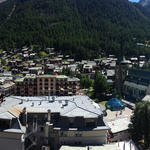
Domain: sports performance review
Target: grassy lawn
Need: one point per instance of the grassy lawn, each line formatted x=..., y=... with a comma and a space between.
x=1, y=50
x=91, y=89
x=43, y=54
x=103, y=102
x=7, y=67
x=103, y=58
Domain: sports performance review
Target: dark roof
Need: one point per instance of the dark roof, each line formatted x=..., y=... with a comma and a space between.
x=114, y=102
x=140, y=73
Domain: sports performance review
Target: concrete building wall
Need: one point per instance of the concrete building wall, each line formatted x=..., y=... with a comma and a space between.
x=121, y=136
x=83, y=137
x=131, y=89
x=11, y=141
x=47, y=85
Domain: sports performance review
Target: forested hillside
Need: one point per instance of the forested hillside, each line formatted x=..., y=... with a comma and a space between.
x=82, y=28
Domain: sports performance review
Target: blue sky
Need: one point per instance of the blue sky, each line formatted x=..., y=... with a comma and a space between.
x=134, y=0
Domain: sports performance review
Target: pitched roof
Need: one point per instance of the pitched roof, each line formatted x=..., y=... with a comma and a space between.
x=71, y=106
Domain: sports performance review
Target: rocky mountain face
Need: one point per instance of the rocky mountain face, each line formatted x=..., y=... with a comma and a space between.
x=145, y=3
x=2, y=1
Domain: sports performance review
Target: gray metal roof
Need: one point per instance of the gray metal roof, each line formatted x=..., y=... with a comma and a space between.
x=6, y=115
x=71, y=106
x=73, y=79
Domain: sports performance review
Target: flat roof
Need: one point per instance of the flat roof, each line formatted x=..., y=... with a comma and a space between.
x=35, y=68
x=31, y=76
x=120, y=124
x=46, y=76
x=61, y=76
x=118, y=121
x=102, y=147
x=73, y=79
x=146, y=98
x=19, y=131
x=19, y=79
x=127, y=145
x=7, y=85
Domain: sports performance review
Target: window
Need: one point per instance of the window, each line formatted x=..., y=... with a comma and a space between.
x=4, y=124
x=41, y=129
x=78, y=134
x=46, y=80
x=90, y=124
x=70, y=124
x=63, y=134
x=78, y=143
x=46, y=83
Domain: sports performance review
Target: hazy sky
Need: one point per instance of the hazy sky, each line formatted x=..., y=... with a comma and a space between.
x=134, y=0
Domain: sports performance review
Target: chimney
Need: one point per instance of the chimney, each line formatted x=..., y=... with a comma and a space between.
x=66, y=102
x=32, y=104
x=40, y=103
x=49, y=115
x=21, y=101
x=62, y=106
x=53, y=99
x=1, y=98
x=23, y=117
x=49, y=95
x=49, y=100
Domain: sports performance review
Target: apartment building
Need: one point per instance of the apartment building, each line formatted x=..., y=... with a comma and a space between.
x=73, y=86
x=26, y=86
x=52, y=121
x=46, y=85
x=60, y=85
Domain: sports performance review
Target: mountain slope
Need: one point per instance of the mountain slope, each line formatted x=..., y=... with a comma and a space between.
x=144, y=7
x=145, y=3
x=2, y=1
x=78, y=27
